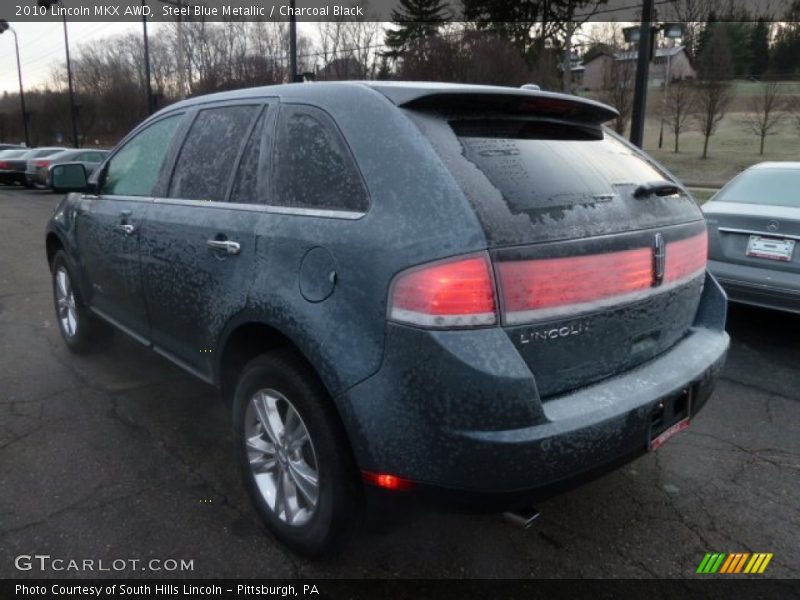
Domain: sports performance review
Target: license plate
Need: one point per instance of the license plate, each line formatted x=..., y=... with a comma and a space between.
x=771, y=248
x=668, y=433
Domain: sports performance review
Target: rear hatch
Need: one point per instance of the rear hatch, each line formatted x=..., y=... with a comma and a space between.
x=755, y=220
x=598, y=254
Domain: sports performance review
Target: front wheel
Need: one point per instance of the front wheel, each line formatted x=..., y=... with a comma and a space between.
x=78, y=327
x=294, y=455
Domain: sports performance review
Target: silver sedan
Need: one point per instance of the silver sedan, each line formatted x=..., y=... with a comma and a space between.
x=754, y=231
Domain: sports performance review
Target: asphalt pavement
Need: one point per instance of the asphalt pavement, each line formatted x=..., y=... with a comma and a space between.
x=120, y=455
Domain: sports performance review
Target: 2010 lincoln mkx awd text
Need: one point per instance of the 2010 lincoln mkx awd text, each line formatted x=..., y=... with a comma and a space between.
x=477, y=293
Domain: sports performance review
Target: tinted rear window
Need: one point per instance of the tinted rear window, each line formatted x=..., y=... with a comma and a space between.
x=314, y=167
x=778, y=187
x=540, y=165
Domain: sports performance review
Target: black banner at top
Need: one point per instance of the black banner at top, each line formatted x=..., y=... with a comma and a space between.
x=371, y=10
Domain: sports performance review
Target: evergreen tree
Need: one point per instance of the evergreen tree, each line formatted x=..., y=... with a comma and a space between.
x=416, y=20
x=785, y=60
x=759, y=49
x=705, y=33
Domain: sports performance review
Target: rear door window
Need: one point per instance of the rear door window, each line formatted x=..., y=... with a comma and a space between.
x=206, y=160
x=314, y=168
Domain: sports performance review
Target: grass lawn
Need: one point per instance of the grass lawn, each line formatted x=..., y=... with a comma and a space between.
x=732, y=149
x=702, y=195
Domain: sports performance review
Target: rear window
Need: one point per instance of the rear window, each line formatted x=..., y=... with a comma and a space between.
x=48, y=152
x=778, y=187
x=540, y=165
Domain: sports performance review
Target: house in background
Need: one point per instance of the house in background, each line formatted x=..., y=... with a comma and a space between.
x=598, y=66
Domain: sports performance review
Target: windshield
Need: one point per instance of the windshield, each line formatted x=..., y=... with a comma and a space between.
x=778, y=187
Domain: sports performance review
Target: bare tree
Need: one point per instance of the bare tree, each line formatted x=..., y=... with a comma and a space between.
x=469, y=57
x=618, y=90
x=766, y=112
x=681, y=105
x=692, y=13
x=714, y=90
x=347, y=49
x=570, y=25
x=793, y=104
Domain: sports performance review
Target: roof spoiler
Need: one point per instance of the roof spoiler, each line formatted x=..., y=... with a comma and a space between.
x=503, y=100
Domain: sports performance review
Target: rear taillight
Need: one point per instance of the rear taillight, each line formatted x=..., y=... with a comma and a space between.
x=42, y=163
x=530, y=285
x=460, y=292
x=451, y=293
x=533, y=289
x=3, y=164
x=686, y=257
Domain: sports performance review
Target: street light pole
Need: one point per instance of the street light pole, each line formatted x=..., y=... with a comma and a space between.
x=147, y=63
x=3, y=26
x=73, y=111
x=664, y=103
x=72, y=108
x=292, y=44
x=642, y=67
x=21, y=90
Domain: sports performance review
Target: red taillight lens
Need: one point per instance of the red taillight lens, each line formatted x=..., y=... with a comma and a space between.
x=546, y=283
x=686, y=257
x=386, y=481
x=532, y=288
x=42, y=163
x=3, y=164
x=454, y=293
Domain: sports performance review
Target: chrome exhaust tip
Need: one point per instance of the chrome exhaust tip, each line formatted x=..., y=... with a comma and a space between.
x=522, y=518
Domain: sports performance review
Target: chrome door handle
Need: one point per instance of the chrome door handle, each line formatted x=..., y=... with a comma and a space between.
x=228, y=246
x=125, y=228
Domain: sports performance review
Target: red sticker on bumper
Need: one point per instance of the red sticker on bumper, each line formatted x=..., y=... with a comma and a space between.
x=665, y=435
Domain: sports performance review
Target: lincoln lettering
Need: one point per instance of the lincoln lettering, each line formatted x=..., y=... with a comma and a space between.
x=553, y=333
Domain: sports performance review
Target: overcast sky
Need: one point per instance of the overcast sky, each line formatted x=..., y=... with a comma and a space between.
x=41, y=47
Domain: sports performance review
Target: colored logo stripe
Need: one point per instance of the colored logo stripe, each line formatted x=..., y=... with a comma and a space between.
x=711, y=563
x=733, y=563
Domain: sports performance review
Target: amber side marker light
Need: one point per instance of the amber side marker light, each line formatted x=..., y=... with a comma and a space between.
x=387, y=481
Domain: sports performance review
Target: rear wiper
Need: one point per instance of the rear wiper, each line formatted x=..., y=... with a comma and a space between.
x=658, y=188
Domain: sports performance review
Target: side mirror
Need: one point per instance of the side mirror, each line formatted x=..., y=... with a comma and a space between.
x=69, y=177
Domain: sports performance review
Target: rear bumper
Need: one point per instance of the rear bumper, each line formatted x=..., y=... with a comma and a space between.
x=757, y=286
x=455, y=413
x=8, y=177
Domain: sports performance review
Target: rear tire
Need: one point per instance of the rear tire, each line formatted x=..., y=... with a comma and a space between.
x=293, y=452
x=77, y=326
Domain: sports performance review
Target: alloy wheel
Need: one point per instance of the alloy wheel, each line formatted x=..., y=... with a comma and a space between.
x=65, y=302
x=282, y=458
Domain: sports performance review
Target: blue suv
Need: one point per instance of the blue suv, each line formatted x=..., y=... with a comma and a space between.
x=406, y=289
